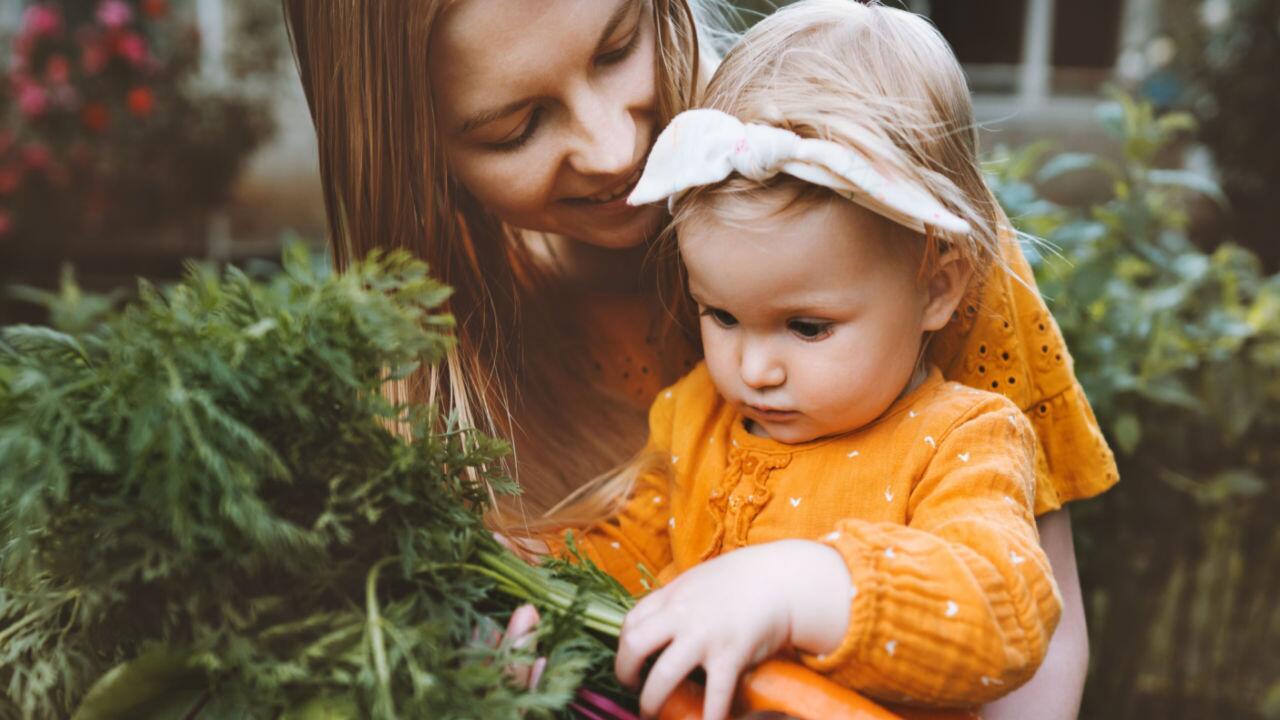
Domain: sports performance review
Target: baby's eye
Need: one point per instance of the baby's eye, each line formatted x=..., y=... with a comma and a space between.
x=721, y=318
x=809, y=329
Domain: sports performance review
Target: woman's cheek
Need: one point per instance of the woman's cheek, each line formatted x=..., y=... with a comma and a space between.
x=514, y=188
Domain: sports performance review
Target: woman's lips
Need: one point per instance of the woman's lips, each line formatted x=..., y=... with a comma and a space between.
x=612, y=199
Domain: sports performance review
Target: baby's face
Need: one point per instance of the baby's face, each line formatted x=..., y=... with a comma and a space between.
x=812, y=319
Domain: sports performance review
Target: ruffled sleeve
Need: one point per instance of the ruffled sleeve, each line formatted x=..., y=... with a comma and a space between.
x=957, y=607
x=1003, y=339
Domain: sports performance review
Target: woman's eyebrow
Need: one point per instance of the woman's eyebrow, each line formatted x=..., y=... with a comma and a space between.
x=487, y=116
x=619, y=14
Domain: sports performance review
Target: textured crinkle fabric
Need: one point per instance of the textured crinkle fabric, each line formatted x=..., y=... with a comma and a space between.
x=931, y=507
x=1003, y=339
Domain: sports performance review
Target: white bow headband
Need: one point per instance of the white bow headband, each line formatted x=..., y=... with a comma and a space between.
x=703, y=147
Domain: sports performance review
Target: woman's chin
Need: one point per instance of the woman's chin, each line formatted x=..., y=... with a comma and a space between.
x=620, y=231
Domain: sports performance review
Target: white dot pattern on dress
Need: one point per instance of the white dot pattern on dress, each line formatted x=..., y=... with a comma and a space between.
x=928, y=440
x=952, y=608
x=891, y=647
x=795, y=502
x=854, y=454
x=964, y=457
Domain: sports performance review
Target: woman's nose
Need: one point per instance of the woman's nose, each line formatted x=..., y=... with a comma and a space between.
x=760, y=368
x=604, y=135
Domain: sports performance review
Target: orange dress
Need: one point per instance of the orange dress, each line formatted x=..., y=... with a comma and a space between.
x=930, y=506
x=1003, y=339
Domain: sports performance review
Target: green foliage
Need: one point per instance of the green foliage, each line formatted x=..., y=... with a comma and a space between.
x=202, y=500
x=1179, y=352
x=1224, y=73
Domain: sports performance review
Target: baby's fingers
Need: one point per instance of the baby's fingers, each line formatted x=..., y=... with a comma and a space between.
x=636, y=643
x=722, y=680
x=673, y=666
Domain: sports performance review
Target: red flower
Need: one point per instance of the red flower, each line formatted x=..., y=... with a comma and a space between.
x=155, y=9
x=141, y=102
x=58, y=70
x=36, y=156
x=9, y=179
x=93, y=59
x=95, y=117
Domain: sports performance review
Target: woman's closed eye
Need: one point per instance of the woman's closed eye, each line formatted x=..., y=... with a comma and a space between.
x=613, y=57
x=522, y=134
x=810, y=330
x=720, y=317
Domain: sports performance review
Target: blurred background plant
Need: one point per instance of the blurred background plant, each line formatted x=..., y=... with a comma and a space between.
x=1178, y=349
x=1223, y=71
x=109, y=127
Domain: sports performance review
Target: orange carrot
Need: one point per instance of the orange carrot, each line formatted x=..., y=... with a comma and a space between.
x=795, y=690
x=684, y=703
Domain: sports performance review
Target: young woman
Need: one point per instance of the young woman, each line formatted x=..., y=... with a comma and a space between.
x=498, y=141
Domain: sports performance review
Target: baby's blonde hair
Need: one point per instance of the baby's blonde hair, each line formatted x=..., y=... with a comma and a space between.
x=873, y=78
x=866, y=76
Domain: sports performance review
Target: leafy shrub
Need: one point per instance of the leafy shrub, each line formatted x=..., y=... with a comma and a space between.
x=1179, y=352
x=204, y=502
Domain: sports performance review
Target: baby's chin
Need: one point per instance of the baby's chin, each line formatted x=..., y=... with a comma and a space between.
x=787, y=433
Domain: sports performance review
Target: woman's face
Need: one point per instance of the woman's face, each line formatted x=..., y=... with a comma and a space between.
x=547, y=109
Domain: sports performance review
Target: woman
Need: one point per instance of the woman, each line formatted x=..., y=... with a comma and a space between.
x=498, y=141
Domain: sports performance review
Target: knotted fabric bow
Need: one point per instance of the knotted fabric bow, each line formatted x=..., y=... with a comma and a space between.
x=703, y=147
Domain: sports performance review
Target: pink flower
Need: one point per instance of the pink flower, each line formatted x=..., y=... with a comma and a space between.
x=41, y=20
x=114, y=13
x=33, y=100
x=133, y=48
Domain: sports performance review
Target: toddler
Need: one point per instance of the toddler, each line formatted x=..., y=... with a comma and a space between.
x=813, y=486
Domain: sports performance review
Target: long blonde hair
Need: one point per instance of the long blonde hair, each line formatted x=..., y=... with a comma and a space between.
x=386, y=185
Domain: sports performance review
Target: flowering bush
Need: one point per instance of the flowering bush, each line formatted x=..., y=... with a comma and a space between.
x=105, y=127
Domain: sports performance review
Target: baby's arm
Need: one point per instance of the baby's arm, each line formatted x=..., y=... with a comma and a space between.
x=957, y=607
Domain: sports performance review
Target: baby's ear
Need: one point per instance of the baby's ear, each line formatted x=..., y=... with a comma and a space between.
x=946, y=285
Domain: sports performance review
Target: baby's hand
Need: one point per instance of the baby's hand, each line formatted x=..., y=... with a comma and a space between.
x=731, y=612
